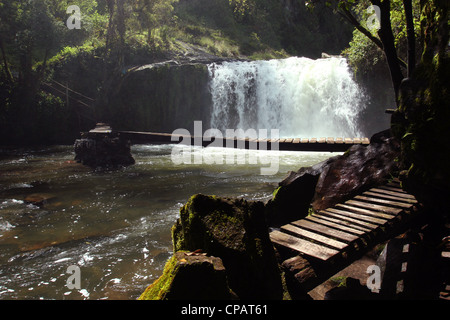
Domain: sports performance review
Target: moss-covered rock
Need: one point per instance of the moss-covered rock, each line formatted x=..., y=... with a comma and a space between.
x=236, y=231
x=190, y=276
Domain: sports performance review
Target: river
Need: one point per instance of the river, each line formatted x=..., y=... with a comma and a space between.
x=114, y=226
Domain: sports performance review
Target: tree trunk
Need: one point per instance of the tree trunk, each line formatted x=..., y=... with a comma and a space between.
x=407, y=4
x=121, y=31
x=5, y=63
x=387, y=38
x=110, y=31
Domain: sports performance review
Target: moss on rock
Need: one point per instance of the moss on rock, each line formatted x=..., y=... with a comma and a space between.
x=236, y=231
x=190, y=275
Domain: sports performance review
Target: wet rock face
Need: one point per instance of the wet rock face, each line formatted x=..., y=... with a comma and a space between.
x=292, y=199
x=359, y=169
x=334, y=180
x=103, y=152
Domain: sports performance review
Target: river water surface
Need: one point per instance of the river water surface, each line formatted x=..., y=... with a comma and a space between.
x=115, y=226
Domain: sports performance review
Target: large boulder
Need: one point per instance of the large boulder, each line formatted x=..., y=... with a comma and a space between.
x=359, y=169
x=292, y=199
x=105, y=151
x=236, y=231
x=334, y=180
x=192, y=276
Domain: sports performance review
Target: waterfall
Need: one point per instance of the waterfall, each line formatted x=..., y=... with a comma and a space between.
x=301, y=97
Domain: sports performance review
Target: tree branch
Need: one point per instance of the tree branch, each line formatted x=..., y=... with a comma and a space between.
x=351, y=18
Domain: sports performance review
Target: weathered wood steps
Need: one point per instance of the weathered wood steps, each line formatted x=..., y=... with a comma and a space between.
x=325, y=234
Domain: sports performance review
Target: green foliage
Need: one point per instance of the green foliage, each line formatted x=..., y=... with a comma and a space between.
x=363, y=54
x=422, y=117
x=264, y=28
x=243, y=9
x=37, y=47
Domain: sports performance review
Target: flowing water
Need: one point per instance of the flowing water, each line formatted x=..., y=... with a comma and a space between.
x=114, y=225
x=301, y=97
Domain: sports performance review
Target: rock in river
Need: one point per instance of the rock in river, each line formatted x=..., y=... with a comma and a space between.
x=190, y=276
x=39, y=199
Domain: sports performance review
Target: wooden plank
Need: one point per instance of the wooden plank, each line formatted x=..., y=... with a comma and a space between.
x=325, y=230
x=303, y=246
x=313, y=140
x=363, y=211
x=322, y=140
x=352, y=223
x=399, y=190
x=384, y=201
x=304, y=140
x=289, y=140
x=296, y=140
x=386, y=196
x=388, y=210
x=393, y=193
x=101, y=130
x=314, y=236
x=394, y=184
x=319, y=219
x=362, y=218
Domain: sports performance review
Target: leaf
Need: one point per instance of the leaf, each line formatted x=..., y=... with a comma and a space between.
x=406, y=135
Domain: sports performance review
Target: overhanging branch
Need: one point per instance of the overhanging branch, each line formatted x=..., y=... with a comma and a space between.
x=351, y=18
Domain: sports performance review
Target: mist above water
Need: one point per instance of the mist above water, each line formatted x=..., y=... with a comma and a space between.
x=299, y=96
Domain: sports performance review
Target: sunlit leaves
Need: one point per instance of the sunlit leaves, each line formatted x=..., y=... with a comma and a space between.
x=361, y=52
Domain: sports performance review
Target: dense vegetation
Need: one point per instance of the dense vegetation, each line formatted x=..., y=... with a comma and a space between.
x=423, y=114
x=56, y=79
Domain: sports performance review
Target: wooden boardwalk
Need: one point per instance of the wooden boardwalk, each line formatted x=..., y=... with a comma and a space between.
x=324, y=144
x=326, y=234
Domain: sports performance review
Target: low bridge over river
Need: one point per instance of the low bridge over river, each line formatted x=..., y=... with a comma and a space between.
x=321, y=144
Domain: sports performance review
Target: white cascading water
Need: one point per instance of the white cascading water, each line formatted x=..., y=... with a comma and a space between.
x=301, y=97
